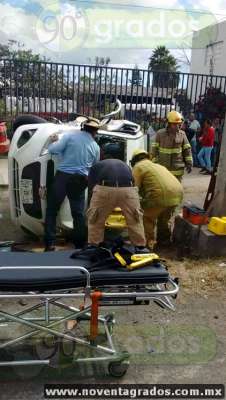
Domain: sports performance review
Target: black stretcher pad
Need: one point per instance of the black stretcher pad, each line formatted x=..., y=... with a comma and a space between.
x=53, y=279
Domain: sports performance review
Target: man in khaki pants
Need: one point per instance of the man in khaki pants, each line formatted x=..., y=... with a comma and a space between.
x=111, y=182
x=160, y=193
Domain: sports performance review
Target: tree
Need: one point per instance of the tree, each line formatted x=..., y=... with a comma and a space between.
x=218, y=205
x=15, y=50
x=136, y=77
x=183, y=102
x=16, y=68
x=100, y=64
x=5, y=51
x=102, y=61
x=98, y=78
x=164, y=67
x=27, y=74
x=212, y=104
x=183, y=55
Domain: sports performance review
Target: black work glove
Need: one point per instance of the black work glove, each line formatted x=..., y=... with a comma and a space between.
x=188, y=169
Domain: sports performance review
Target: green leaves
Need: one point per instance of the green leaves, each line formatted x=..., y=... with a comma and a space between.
x=161, y=63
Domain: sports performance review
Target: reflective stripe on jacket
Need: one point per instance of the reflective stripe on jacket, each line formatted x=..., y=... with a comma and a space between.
x=157, y=186
x=173, y=151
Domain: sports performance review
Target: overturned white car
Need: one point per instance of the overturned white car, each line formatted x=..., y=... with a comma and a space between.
x=32, y=168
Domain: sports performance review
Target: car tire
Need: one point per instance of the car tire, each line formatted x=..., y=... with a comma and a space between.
x=26, y=119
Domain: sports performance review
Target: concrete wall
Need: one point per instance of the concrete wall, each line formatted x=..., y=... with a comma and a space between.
x=41, y=104
x=208, y=43
x=209, y=58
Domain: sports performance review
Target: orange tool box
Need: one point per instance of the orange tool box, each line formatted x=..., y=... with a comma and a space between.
x=195, y=215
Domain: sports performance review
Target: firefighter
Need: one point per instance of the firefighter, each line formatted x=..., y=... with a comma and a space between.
x=160, y=193
x=171, y=147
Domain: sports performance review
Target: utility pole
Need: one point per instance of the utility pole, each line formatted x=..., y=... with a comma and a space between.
x=218, y=206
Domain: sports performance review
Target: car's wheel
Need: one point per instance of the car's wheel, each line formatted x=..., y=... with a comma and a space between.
x=26, y=119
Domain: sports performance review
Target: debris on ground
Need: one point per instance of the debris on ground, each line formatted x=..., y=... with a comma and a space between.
x=199, y=276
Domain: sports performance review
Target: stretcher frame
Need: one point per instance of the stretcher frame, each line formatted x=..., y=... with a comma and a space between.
x=92, y=300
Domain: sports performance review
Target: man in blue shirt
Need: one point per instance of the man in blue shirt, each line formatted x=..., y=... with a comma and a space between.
x=77, y=151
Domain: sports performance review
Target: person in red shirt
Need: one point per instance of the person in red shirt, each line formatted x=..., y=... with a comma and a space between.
x=207, y=141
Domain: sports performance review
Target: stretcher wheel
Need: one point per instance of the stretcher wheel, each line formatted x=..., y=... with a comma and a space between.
x=118, y=369
x=68, y=347
x=23, y=371
x=47, y=347
x=49, y=341
x=110, y=319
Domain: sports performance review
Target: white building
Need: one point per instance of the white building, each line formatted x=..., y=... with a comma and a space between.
x=209, y=50
x=208, y=59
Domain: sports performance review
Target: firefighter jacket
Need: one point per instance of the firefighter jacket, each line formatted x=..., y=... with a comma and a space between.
x=173, y=151
x=157, y=186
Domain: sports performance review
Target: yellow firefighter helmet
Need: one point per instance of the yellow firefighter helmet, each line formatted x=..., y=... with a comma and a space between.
x=174, y=117
x=137, y=152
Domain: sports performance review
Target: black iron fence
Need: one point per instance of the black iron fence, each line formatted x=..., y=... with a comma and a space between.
x=60, y=90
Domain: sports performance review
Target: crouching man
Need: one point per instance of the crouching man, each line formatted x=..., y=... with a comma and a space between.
x=160, y=192
x=112, y=186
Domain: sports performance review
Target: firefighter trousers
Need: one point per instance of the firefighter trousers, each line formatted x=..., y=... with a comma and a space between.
x=104, y=200
x=157, y=218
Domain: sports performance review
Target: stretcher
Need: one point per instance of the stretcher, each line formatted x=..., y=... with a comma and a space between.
x=52, y=282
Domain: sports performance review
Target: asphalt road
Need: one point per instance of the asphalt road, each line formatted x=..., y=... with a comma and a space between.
x=185, y=346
